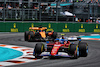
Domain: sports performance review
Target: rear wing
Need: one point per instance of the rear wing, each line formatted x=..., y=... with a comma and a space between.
x=37, y=28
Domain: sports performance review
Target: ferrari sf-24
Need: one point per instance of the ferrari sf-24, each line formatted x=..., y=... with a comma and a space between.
x=62, y=47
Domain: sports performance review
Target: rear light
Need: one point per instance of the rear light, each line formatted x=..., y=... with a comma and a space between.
x=74, y=16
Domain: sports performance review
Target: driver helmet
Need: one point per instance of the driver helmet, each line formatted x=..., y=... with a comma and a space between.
x=56, y=40
x=62, y=37
x=61, y=41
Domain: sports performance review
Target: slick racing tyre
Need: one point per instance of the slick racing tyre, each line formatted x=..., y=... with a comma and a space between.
x=74, y=51
x=26, y=35
x=30, y=36
x=83, y=48
x=39, y=48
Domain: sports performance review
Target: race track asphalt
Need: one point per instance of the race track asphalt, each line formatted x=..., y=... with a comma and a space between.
x=92, y=60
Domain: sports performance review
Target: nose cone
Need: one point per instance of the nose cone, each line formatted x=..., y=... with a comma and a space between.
x=53, y=54
x=55, y=50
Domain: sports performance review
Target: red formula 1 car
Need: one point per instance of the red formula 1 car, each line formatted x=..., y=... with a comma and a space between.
x=61, y=48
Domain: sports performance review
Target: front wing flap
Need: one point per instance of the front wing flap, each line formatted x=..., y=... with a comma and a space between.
x=60, y=54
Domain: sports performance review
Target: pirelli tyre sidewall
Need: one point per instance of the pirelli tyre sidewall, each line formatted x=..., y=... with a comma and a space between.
x=39, y=48
x=83, y=48
x=31, y=36
x=74, y=51
x=26, y=35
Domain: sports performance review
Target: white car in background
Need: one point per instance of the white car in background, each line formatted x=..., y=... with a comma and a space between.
x=61, y=14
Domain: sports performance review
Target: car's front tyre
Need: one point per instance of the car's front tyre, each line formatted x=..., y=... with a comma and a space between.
x=39, y=48
x=74, y=51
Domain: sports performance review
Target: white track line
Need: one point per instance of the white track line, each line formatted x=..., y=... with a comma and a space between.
x=98, y=39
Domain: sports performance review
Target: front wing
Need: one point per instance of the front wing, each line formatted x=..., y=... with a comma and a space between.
x=60, y=54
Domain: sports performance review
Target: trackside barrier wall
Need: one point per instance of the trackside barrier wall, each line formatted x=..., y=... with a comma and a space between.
x=57, y=27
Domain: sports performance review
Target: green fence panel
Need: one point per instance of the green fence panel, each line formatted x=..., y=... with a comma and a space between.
x=20, y=27
x=65, y=27
x=76, y=27
x=57, y=27
x=52, y=26
x=14, y=27
x=82, y=27
x=26, y=26
x=89, y=27
x=2, y=27
x=10, y=27
x=71, y=27
x=60, y=27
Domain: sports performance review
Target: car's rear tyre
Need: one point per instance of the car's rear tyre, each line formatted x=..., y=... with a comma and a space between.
x=26, y=35
x=83, y=48
x=74, y=51
x=39, y=48
x=30, y=36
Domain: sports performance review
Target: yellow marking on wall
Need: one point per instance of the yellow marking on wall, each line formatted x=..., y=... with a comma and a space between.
x=96, y=30
x=49, y=25
x=66, y=30
x=96, y=25
x=81, y=30
x=65, y=25
x=14, y=25
x=49, y=30
x=81, y=25
x=32, y=25
x=14, y=30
